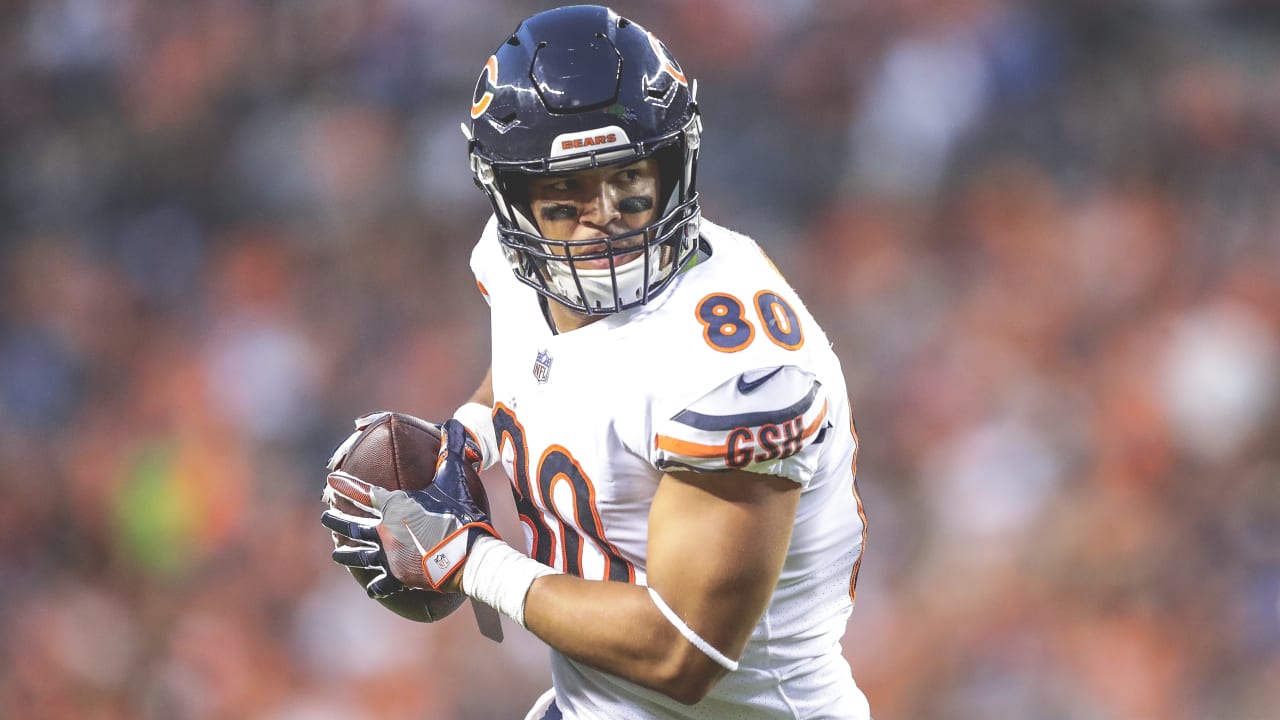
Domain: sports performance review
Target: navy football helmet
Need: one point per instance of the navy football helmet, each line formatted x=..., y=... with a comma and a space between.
x=582, y=87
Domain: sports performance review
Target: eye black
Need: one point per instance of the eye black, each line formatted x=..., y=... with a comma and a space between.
x=636, y=204
x=559, y=212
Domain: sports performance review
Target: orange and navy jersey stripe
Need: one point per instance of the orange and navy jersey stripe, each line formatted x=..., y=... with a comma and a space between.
x=698, y=450
x=774, y=415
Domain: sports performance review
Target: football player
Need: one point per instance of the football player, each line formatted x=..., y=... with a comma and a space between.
x=673, y=421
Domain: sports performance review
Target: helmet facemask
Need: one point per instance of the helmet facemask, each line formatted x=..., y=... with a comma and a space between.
x=642, y=262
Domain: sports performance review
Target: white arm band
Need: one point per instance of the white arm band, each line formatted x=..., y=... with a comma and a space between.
x=689, y=634
x=478, y=419
x=499, y=576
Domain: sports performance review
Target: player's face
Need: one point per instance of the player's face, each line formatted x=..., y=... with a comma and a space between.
x=597, y=203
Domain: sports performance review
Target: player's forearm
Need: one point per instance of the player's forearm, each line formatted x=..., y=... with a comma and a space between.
x=615, y=627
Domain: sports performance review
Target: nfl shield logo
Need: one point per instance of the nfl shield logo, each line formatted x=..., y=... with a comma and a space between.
x=542, y=366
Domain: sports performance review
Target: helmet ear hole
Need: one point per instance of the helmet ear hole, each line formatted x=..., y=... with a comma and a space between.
x=670, y=173
x=516, y=187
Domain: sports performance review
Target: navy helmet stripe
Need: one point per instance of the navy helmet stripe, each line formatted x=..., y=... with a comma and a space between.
x=721, y=423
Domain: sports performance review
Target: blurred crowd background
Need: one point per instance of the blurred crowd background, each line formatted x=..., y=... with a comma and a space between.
x=1043, y=236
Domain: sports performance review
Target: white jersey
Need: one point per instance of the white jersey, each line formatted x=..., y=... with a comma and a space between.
x=726, y=369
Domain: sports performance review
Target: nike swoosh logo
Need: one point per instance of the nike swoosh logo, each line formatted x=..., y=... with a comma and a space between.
x=747, y=387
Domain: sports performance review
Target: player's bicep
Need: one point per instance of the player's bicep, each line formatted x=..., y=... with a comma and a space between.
x=717, y=542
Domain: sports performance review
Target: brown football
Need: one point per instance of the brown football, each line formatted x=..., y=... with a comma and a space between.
x=398, y=452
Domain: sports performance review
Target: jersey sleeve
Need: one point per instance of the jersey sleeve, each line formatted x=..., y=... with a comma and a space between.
x=769, y=420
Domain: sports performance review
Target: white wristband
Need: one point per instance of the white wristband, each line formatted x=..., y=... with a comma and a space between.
x=689, y=634
x=478, y=419
x=499, y=576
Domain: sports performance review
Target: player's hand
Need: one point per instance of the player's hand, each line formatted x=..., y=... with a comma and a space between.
x=411, y=538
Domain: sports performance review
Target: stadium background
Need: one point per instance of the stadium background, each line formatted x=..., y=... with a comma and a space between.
x=1043, y=236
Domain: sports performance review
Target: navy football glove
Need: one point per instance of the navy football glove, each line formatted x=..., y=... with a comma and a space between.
x=414, y=538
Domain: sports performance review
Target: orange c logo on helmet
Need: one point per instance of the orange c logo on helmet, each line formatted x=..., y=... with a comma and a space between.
x=669, y=65
x=488, y=79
